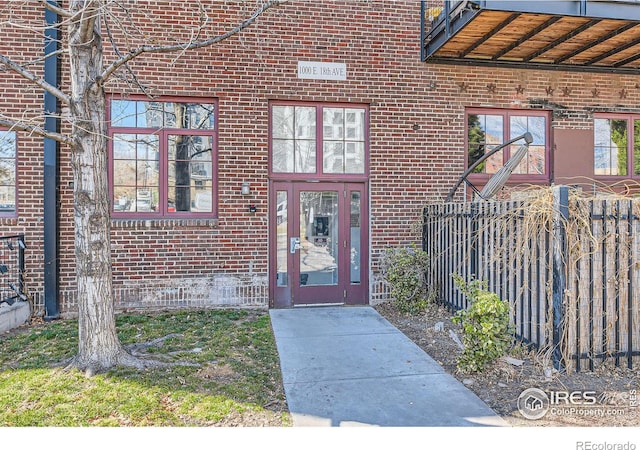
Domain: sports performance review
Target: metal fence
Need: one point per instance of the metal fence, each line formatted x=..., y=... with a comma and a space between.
x=569, y=268
x=12, y=269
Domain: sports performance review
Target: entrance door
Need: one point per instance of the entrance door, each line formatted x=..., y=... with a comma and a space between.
x=320, y=236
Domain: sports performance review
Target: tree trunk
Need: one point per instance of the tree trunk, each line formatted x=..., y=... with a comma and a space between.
x=99, y=347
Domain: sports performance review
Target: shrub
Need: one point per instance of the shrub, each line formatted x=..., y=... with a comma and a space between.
x=404, y=269
x=485, y=326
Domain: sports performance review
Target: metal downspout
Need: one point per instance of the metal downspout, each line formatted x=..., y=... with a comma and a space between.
x=51, y=151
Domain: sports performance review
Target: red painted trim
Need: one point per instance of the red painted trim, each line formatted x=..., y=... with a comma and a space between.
x=630, y=119
x=517, y=178
x=319, y=175
x=163, y=134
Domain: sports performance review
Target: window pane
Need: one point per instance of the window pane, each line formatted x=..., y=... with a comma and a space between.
x=333, y=157
x=123, y=113
x=123, y=198
x=538, y=129
x=534, y=161
x=190, y=173
x=136, y=172
x=305, y=156
x=282, y=156
x=149, y=114
x=344, y=146
x=146, y=200
x=124, y=146
x=354, y=236
x=305, y=122
x=354, y=124
x=7, y=172
x=333, y=123
x=7, y=199
x=636, y=147
x=282, y=241
x=201, y=116
x=484, y=133
x=610, y=146
x=494, y=129
x=7, y=144
x=124, y=172
x=282, y=122
x=354, y=157
x=202, y=198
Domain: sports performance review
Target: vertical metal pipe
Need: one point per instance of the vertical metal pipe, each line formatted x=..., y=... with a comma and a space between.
x=617, y=281
x=591, y=281
x=50, y=182
x=604, y=279
x=561, y=213
x=539, y=290
x=630, y=303
x=576, y=300
x=423, y=11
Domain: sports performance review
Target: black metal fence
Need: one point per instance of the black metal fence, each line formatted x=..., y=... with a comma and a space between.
x=569, y=268
x=12, y=287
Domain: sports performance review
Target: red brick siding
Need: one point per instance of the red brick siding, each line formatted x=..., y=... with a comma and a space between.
x=416, y=125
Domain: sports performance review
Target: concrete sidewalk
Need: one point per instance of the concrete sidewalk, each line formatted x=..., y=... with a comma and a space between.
x=348, y=366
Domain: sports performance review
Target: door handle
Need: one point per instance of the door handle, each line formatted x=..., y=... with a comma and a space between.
x=294, y=244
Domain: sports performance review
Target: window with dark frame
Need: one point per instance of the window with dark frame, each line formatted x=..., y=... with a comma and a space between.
x=163, y=158
x=616, y=145
x=8, y=173
x=488, y=128
x=320, y=139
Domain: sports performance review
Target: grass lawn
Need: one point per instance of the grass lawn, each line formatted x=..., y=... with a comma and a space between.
x=232, y=377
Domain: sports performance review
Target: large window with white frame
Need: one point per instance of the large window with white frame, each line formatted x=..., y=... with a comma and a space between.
x=163, y=158
x=8, y=173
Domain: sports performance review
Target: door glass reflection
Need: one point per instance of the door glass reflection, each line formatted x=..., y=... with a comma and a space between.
x=354, y=226
x=319, y=238
x=281, y=238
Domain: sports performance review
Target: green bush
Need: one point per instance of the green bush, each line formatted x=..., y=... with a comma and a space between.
x=404, y=270
x=486, y=333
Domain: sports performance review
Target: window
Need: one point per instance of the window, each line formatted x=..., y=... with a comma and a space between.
x=8, y=177
x=615, y=152
x=324, y=140
x=487, y=129
x=163, y=158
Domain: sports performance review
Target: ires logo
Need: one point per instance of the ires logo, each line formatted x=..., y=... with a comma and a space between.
x=535, y=403
x=574, y=398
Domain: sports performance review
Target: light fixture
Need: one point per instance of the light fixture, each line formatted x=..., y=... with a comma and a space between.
x=246, y=188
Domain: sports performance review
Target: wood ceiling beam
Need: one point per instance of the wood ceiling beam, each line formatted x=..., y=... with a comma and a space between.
x=598, y=41
x=613, y=51
x=561, y=39
x=489, y=34
x=526, y=37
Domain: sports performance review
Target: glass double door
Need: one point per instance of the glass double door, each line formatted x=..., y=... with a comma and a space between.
x=319, y=237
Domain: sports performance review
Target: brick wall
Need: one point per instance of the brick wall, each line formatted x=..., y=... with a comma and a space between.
x=416, y=131
x=20, y=100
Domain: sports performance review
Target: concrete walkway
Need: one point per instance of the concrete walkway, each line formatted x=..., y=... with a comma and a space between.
x=348, y=366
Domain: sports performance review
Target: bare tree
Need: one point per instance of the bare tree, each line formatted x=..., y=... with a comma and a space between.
x=83, y=23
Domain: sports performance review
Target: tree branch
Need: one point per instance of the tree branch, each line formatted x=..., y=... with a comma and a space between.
x=32, y=129
x=17, y=68
x=188, y=45
x=56, y=9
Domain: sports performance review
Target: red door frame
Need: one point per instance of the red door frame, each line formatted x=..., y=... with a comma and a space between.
x=344, y=292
